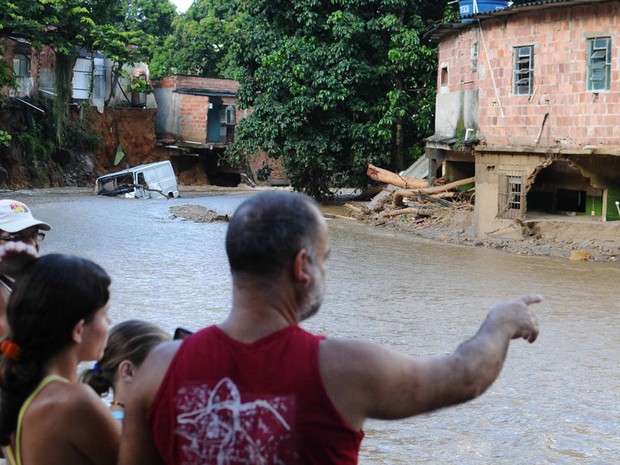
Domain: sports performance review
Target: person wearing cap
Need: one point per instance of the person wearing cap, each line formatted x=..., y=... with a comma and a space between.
x=20, y=235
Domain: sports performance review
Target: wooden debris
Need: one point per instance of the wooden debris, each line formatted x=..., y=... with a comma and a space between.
x=339, y=217
x=405, y=195
x=430, y=198
x=355, y=208
x=430, y=191
x=388, y=177
x=402, y=211
x=445, y=195
x=449, y=186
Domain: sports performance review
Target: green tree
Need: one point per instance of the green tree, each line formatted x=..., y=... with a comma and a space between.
x=145, y=24
x=6, y=80
x=336, y=85
x=201, y=42
x=65, y=25
x=153, y=18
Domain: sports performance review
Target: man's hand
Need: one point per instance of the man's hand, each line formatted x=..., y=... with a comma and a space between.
x=14, y=256
x=517, y=317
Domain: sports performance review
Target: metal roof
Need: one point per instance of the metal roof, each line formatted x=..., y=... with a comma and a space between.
x=207, y=92
x=444, y=29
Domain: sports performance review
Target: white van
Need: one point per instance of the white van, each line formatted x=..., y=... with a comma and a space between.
x=149, y=181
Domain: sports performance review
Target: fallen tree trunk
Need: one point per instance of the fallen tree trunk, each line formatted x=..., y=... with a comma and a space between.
x=430, y=193
x=386, y=176
x=447, y=187
x=435, y=189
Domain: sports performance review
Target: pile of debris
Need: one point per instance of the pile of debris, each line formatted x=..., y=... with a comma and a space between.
x=197, y=213
x=444, y=212
x=413, y=199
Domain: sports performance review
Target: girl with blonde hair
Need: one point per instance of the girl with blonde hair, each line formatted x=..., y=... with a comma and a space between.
x=129, y=344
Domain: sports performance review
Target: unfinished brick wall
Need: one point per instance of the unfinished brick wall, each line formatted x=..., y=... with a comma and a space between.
x=193, y=117
x=575, y=117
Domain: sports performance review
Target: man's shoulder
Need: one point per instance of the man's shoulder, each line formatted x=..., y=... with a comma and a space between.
x=154, y=369
x=161, y=356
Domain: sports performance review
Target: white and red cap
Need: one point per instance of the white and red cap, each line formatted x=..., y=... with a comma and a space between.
x=16, y=216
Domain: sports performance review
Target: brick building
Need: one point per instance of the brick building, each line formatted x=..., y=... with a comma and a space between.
x=197, y=117
x=26, y=63
x=196, y=110
x=528, y=101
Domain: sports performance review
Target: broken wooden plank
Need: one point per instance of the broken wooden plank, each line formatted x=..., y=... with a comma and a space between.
x=338, y=217
x=355, y=208
x=430, y=198
x=402, y=211
x=444, y=195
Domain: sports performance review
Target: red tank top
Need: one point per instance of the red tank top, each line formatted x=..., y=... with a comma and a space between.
x=229, y=403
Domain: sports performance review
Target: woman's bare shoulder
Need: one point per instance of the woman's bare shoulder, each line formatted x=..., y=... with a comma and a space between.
x=67, y=422
x=66, y=400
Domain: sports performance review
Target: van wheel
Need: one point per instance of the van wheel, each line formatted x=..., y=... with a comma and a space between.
x=170, y=195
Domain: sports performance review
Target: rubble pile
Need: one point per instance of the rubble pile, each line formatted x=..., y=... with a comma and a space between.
x=445, y=212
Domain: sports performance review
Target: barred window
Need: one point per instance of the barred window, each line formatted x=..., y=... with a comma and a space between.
x=511, y=195
x=599, y=63
x=523, y=70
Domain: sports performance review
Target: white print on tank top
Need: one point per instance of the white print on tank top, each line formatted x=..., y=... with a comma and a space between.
x=214, y=426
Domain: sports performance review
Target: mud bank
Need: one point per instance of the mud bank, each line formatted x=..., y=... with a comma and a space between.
x=456, y=227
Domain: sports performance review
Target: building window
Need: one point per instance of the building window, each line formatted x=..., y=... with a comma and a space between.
x=474, y=57
x=524, y=70
x=599, y=63
x=443, y=76
x=511, y=196
x=21, y=66
x=231, y=115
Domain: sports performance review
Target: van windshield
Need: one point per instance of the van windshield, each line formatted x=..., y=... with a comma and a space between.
x=116, y=185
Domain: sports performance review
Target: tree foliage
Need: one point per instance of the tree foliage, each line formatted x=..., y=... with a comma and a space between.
x=336, y=85
x=151, y=19
x=201, y=41
x=66, y=26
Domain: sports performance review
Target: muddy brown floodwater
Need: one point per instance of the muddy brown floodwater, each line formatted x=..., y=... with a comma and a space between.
x=556, y=401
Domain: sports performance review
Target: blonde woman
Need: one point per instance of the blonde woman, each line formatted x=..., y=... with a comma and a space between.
x=129, y=344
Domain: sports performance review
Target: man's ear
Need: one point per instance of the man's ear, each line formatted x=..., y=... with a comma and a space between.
x=126, y=371
x=301, y=268
x=78, y=331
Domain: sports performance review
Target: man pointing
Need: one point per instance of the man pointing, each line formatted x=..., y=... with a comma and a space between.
x=257, y=388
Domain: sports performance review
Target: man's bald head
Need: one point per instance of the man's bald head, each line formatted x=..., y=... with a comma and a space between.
x=268, y=230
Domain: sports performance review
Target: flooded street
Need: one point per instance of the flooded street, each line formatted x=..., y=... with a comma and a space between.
x=556, y=401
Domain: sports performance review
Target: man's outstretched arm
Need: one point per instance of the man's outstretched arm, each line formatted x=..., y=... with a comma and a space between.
x=365, y=380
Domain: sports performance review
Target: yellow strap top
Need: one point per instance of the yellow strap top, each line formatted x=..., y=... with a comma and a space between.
x=14, y=456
